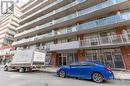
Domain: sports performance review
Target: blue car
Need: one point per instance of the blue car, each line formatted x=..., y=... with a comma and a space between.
x=86, y=70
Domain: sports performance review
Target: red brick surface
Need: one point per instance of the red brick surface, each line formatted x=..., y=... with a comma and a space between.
x=81, y=55
x=54, y=59
x=126, y=56
x=119, y=30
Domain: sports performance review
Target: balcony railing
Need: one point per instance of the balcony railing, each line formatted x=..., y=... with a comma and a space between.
x=35, y=38
x=63, y=46
x=107, y=20
x=106, y=41
x=44, y=9
x=114, y=40
x=54, y=12
x=34, y=7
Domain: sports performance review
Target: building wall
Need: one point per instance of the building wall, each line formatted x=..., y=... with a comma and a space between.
x=8, y=25
x=126, y=56
x=63, y=33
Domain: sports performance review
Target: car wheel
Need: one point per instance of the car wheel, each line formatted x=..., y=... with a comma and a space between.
x=21, y=70
x=5, y=68
x=97, y=77
x=62, y=74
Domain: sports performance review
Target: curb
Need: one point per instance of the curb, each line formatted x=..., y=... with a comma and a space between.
x=47, y=71
x=123, y=79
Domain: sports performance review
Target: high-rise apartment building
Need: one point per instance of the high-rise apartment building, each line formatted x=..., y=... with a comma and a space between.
x=8, y=25
x=77, y=30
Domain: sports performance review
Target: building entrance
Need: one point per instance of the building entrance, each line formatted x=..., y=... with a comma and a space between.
x=66, y=58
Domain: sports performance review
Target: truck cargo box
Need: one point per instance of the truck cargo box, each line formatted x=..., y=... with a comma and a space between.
x=25, y=60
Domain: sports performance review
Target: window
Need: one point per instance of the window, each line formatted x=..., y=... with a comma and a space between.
x=75, y=64
x=87, y=64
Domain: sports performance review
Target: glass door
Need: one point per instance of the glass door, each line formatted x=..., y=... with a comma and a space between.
x=109, y=59
x=59, y=60
x=64, y=61
x=118, y=60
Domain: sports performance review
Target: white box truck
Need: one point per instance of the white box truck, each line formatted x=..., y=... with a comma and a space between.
x=27, y=60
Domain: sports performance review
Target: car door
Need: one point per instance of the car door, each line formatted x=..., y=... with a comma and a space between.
x=85, y=70
x=73, y=71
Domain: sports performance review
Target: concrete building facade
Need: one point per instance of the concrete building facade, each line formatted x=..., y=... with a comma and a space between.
x=8, y=25
x=77, y=30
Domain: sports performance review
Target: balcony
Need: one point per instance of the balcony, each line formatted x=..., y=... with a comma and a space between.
x=83, y=14
x=65, y=46
x=23, y=41
x=109, y=41
x=34, y=8
x=15, y=19
x=54, y=13
x=11, y=32
x=33, y=39
x=14, y=23
x=12, y=27
x=28, y=4
x=115, y=40
x=44, y=10
x=109, y=22
x=76, y=5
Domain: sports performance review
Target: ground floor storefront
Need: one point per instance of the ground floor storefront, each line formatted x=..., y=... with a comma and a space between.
x=116, y=58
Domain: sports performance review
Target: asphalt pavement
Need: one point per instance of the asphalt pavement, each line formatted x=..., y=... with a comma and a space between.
x=38, y=78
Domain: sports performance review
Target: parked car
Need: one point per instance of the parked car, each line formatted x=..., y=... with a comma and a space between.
x=86, y=70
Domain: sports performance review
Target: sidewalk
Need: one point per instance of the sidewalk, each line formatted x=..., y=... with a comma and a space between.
x=119, y=75
x=122, y=75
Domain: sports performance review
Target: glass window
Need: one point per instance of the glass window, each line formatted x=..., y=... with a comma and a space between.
x=87, y=64
x=75, y=64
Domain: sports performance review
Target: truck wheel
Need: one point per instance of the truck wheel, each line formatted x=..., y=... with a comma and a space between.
x=5, y=68
x=21, y=70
